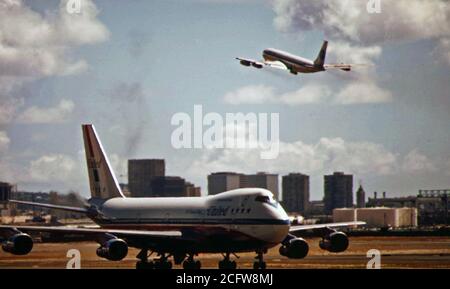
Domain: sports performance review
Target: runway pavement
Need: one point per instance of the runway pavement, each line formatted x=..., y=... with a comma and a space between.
x=396, y=252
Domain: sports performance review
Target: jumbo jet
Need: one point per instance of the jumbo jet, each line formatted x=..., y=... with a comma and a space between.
x=295, y=64
x=241, y=220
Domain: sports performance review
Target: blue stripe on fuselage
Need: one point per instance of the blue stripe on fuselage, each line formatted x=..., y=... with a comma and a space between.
x=196, y=221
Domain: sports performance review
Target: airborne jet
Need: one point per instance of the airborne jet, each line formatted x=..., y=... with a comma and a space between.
x=241, y=220
x=295, y=64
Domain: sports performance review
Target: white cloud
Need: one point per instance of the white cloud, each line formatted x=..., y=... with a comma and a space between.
x=415, y=162
x=53, y=168
x=57, y=114
x=310, y=93
x=358, y=37
x=362, y=92
x=327, y=155
x=4, y=141
x=400, y=20
x=443, y=50
x=35, y=45
x=251, y=94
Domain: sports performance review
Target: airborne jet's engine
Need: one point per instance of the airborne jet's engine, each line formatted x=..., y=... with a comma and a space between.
x=18, y=244
x=114, y=249
x=334, y=241
x=245, y=62
x=294, y=248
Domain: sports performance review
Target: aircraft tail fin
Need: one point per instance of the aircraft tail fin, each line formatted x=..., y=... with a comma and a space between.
x=102, y=181
x=320, y=60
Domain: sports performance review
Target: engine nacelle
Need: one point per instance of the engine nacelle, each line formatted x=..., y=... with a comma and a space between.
x=296, y=248
x=19, y=244
x=334, y=242
x=245, y=63
x=257, y=65
x=113, y=250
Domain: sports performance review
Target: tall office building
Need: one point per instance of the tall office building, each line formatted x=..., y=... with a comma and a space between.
x=222, y=181
x=295, y=189
x=225, y=181
x=140, y=175
x=168, y=187
x=5, y=192
x=338, y=189
x=262, y=180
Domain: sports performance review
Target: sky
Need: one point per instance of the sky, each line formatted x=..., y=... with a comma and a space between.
x=129, y=66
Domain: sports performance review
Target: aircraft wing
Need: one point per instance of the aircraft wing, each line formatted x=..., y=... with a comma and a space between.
x=90, y=231
x=51, y=206
x=323, y=226
x=261, y=64
x=134, y=238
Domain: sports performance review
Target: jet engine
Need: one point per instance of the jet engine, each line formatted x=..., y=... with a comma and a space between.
x=334, y=242
x=257, y=65
x=18, y=244
x=113, y=250
x=245, y=63
x=295, y=248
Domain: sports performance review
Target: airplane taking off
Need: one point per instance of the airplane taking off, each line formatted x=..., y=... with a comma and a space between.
x=241, y=220
x=295, y=64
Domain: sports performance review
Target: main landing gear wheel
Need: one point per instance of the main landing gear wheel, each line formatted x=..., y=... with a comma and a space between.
x=143, y=263
x=191, y=264
x=259, y=264
x=140, y=265
x=163, y=262
x=226, y=263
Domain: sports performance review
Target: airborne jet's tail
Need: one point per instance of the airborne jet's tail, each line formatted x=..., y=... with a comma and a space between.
x=320, y=60
x=102, y=181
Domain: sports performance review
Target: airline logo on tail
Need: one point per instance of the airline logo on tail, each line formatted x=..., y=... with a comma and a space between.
x=102, y=181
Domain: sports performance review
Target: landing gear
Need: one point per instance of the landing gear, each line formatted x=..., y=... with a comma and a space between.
x=190, y=263
x=293, y=71
x=144, y=263
x=259, y=264
x=163, y=262
x=226, y=263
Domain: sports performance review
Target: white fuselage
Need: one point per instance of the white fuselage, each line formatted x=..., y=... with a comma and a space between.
x=293, y=62
x=240, y=215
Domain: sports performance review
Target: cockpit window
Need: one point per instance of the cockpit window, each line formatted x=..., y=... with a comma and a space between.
x=263, y=199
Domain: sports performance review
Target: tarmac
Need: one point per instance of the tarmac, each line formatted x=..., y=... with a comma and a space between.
x=396, y=252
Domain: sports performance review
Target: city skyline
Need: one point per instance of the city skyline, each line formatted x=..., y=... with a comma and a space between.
x=386, y=124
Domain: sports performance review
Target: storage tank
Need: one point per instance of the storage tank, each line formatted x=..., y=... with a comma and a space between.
x=378, y=217
x=407, y=217
x=344, y=215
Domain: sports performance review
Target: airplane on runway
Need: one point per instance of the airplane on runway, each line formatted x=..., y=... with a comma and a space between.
x=279, y=59
x=241, y=220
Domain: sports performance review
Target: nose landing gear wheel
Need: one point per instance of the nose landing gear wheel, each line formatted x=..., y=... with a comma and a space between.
x=259, y=264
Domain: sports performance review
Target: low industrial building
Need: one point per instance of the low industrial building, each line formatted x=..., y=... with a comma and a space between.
x=379, y=217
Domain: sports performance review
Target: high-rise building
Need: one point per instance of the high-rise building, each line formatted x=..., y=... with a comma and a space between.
x=262, y=180
x=140, y=175
x=360, y=197
x=168, y=187
x=295, y=189
x=225, y=181
x=222, y=181
x=192, y=190
x=338, y=189
x=5, y=192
